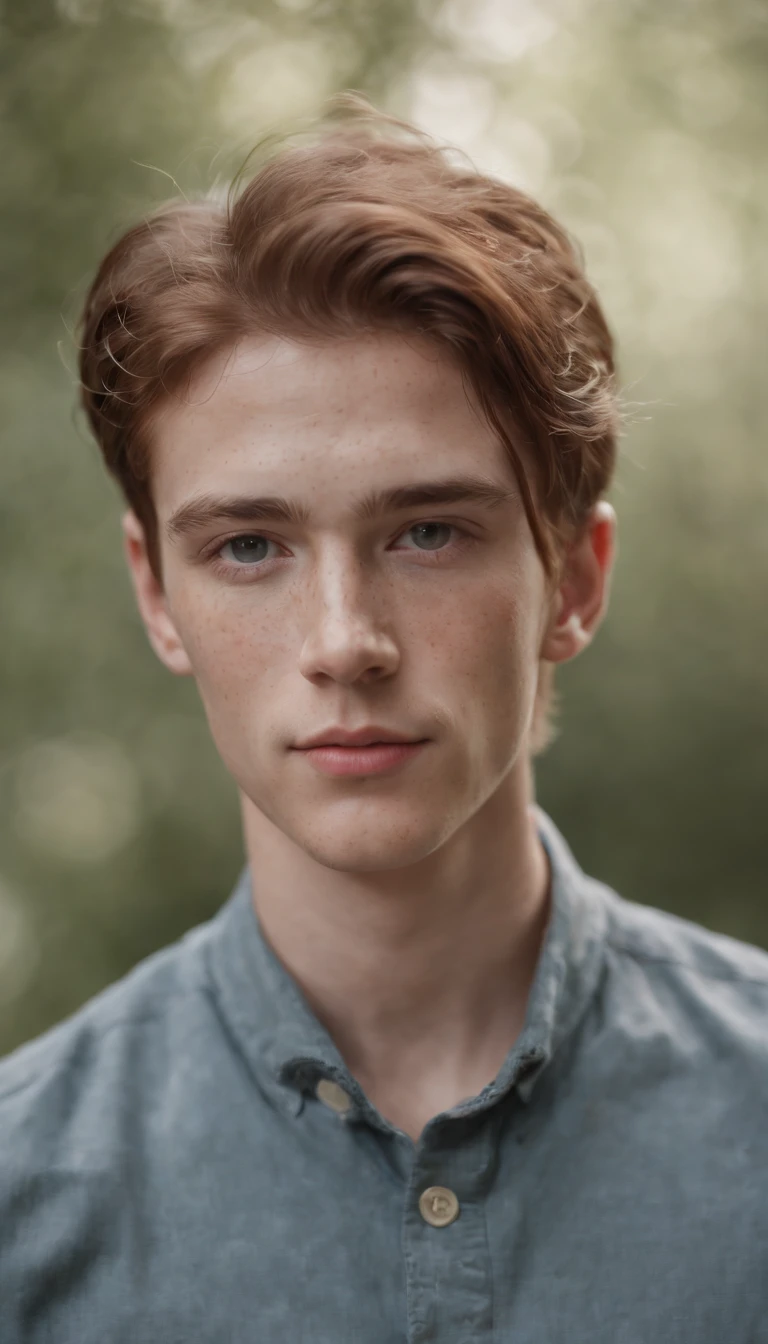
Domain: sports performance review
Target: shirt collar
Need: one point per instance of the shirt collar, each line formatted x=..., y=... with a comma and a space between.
x=288, y=1049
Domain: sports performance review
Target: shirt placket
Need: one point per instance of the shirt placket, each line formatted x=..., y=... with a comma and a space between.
x=449, y=1288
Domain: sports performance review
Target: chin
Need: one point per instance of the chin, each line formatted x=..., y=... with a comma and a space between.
x=347, y=858
x=373, y=844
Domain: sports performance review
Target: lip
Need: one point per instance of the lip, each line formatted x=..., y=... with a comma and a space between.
x=358, y=737
x=375, y=758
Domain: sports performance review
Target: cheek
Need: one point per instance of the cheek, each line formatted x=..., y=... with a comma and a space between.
x=233, y=644
x=486, y=639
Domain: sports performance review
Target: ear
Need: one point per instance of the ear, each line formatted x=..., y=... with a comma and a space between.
x=580, y=600
x=151, y=600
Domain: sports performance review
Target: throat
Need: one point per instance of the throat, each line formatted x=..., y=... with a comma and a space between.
x=410, y=1098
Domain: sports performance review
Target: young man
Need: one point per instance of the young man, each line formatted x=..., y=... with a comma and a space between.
x=421, y=1078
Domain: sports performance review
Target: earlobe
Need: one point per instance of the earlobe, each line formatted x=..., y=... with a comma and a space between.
x=565, y=639
x=151, y=600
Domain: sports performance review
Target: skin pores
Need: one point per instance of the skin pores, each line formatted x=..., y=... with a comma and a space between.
x=426, y=619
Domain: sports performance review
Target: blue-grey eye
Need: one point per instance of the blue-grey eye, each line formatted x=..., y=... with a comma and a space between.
x=248, y=550
x=430, y=536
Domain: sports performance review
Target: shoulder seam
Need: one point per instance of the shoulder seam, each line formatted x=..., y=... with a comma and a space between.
x=98, y=1036
x=652, y=959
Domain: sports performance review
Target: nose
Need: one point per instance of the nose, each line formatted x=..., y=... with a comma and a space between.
x=344, y=641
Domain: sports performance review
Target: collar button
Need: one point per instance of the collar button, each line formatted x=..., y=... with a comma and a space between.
x=333, y=1096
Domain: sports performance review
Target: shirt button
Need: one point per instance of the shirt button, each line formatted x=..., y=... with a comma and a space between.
x=334, y=1096
x=438, y=1206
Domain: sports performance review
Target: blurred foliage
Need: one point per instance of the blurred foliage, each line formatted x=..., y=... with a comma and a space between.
x=642, y=125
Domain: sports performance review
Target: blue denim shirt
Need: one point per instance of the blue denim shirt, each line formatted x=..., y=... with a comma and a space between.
x=187, y=1160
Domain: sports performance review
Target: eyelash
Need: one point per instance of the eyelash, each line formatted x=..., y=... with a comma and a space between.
x=228, y=569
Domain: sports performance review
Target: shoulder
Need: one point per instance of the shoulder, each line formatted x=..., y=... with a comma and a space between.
x=655, y=937
x=75, y=1105
x=61, y=1091
x=704, y=984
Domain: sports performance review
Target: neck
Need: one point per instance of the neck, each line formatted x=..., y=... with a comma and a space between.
x=421, y=975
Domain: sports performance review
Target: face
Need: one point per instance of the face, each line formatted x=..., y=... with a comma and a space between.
x=346, y=555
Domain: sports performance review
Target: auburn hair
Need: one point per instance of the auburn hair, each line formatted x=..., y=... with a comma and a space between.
x=364, y=225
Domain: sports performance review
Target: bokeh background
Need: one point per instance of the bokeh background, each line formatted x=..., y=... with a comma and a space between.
x=644, y=127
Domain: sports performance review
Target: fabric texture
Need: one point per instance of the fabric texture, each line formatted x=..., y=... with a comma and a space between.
x=169, y=1175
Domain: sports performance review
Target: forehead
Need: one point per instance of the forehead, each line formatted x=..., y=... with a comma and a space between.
x=321, y=419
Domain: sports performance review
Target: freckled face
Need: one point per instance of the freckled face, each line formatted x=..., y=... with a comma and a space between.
x=343, y=601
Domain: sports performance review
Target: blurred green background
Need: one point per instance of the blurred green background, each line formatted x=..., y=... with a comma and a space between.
x=644, y=127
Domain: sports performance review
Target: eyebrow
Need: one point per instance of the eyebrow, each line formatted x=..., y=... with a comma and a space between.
x=204, y=510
